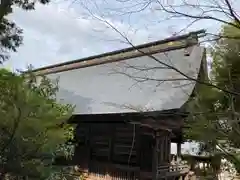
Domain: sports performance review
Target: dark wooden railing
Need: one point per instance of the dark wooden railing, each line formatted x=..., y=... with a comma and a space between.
x=172, y=170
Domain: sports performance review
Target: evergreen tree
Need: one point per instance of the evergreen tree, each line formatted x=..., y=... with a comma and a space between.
x=33, y=129
x=215, y=118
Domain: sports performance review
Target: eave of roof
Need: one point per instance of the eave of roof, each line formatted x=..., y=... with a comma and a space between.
x=130, y=115
x=168, y=44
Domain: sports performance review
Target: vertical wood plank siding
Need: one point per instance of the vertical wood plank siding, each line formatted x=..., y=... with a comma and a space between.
x=119, y=151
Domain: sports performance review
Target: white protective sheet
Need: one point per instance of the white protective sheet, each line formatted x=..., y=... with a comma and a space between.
x=131, y=85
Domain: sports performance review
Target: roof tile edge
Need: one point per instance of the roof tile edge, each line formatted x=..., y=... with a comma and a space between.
x=173, y=43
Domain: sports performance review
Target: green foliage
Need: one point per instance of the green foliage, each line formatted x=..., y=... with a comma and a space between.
x=226, y=60
x=10, y=34
x=32, y=123
x=214, y=120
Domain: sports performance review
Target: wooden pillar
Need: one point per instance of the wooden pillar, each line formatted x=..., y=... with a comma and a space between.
x=138, y=147
x=162, y=151
x=155, y=157
x=178, y=150
x=169, y=150
x=89, y=150
x=111, y=143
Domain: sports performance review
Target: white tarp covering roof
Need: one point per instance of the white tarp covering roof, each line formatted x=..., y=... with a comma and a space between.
x=136, y=84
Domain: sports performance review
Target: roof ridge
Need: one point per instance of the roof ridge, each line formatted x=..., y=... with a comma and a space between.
x=147, y=48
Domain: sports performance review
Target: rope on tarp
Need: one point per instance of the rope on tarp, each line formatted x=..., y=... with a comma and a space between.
x=133, y=142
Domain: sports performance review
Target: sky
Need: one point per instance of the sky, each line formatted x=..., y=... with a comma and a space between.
x=68, y=30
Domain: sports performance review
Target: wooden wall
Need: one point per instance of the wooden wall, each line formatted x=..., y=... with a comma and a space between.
x=119, y=144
